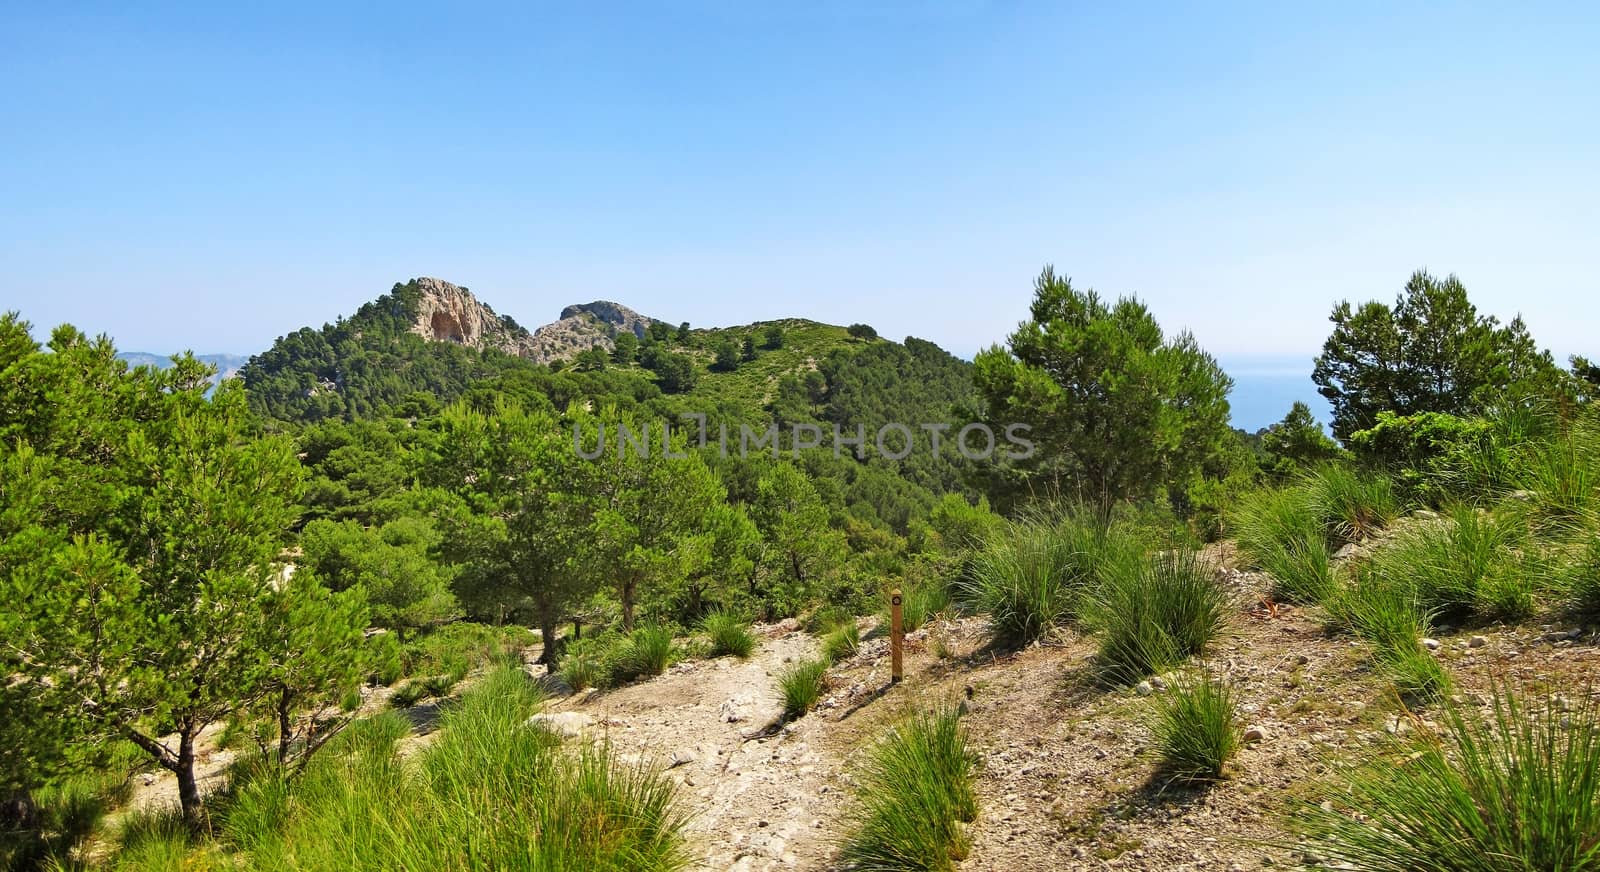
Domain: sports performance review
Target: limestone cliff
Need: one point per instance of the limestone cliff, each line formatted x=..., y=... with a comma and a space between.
x=450, y=313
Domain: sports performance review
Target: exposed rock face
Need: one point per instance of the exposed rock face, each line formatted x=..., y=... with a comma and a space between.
x=450, y=313
x=584, y=326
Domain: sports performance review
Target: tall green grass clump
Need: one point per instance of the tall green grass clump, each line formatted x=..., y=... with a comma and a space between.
x=647, y=651
x=842, y=642
x=1349, y=503
x=1382, y=608
x=729, y=634
x=1280, y=532
x=1196, y=729
x=491, y=793
x=1472, y=564
x=1032, y=577
x=583, y=664
x=1583, y=589
x=1516, y=788
x=801, y=686
x=1155, y=617
x=919, y=602
x=914, y=795
x=1561, y=474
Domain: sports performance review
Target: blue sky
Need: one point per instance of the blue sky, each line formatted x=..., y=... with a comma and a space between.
x=194, y=176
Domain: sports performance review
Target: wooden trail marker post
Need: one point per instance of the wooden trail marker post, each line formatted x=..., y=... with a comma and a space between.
x=896, y=636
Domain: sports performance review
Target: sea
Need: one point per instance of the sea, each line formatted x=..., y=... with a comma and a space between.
x=1264, y=388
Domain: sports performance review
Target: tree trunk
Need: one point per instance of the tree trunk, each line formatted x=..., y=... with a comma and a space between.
x=627, y=605
x=188, y=788
x=285, y=724
x=549, y=635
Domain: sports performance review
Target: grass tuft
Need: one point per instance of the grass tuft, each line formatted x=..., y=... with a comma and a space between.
x=914, y=795
x=1032, y=576
x=464, y=802
x=1154, y=618
x=729, y=634
x=801, y=686
x=1196, y=729
x=1514, y=788
x=842, y=642
x=1279, y=532
x=647, y=651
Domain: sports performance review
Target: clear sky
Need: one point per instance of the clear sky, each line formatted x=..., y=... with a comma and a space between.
x=197, y=176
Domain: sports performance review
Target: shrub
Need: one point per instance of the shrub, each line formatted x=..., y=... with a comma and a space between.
x=842, y=642
x=729, y=634
x=1196, y=733
x=914, y=795
x=1434, y=454
x=648, y=651
x=801, y=686
x=1514, y=788
x=1279, y=532
x=1154, y=618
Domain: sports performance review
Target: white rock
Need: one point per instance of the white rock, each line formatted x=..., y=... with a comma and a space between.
x=561, y=723
x=1144, y=688
x=1477, y=642
x=1255, y=733
x=1431, y=644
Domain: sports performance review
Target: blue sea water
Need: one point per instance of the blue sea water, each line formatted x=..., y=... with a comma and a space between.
x=1265, y=387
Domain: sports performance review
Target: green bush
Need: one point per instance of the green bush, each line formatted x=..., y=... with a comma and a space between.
x=729, y=634
x=801, y=686
x=1434, y=455
x=1154, y=618
x=458, y=648
x=1515, y=788
x=841, y=642
x=914, y=795
x=1196, y=731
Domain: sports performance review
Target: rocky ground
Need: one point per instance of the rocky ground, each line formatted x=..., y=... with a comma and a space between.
x=1066, y=779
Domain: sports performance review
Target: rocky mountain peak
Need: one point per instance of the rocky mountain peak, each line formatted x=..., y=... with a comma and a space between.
x=450, y=313
x=447, y=312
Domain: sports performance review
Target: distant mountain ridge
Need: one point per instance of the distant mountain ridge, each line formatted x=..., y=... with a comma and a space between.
x=227, y=365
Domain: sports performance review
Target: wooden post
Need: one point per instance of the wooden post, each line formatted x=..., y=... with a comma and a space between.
x=896, y=635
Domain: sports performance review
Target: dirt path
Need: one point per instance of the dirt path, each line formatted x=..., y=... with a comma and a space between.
x=760, y=798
